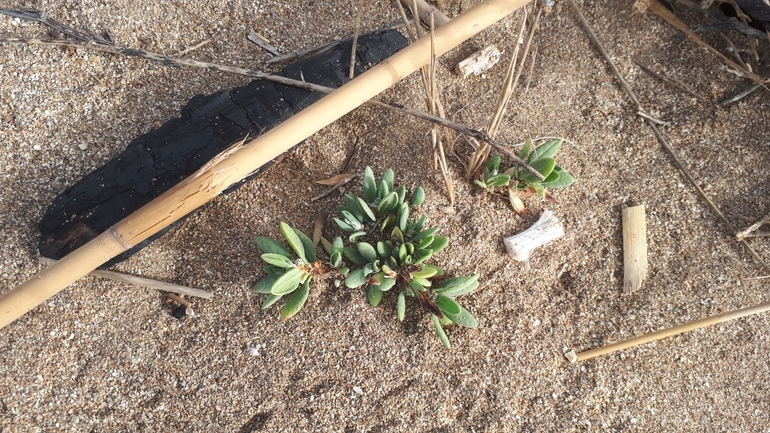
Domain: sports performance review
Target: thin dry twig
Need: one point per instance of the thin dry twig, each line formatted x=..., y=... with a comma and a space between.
x=142, y=282
x=751, y=89
x=355, y=39
x=194, y=47
x=40, y=17
x=334, y=188
x=531, y=68
x=670, y=81
x=752, y=228
x=258, y=40
x=662, y=140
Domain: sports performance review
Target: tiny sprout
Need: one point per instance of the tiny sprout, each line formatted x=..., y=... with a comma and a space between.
x=521, y=183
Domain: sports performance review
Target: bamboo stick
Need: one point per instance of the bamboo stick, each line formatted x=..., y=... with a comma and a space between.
x=217, y=176
x=424, y=10
x=658, y=335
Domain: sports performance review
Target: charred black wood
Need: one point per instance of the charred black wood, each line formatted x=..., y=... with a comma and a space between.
x=208, y=124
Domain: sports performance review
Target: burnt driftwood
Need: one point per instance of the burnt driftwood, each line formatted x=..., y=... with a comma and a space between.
x=208, y=124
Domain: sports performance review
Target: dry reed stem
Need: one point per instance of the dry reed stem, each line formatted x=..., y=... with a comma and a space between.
x=664, y=333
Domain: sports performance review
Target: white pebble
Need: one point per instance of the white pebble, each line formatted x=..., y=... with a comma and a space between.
x=253, y=351
x=358, y=390
x=83, y=146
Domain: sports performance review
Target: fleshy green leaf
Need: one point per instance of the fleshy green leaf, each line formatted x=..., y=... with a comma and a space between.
x=270, y=300
x=480, y=184
x=401, y=306
x=421, y=281
x=367, y=210
x=421, y=256
x=277, y=260
x=498, y=180
x=369, y=185
x=344, y=226
x=462, y=318
x=388, y=203
x=525, y=149
x=388, y=177
x=307, y=245
x=367, y=251
x=403, y=216
x=383, y=249
x=418, y=196
x=337, y=245
x=438, y=244
x=425, y=272
x=439, y=271
x=424, y=234
x=397, y=236
x=546, y=150
x=271, y=246
x=387, y=284
x=565, y=179
x=263, y=286
x=382, y=190
x=401, y=191
x=354, y=236
x=293, y=240
x=274, y=270
x=543, y=165
x=425, y=243
x=457, y=286
x=352, y=207
x=440, y=331
x=447, y=305
x=296, y=301
x=287, y=282
x=374, y=294
x=356, y=278
x=354, y=256
x=493, y=165
x=336, y=259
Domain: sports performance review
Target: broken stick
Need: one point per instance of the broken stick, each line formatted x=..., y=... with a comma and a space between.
x=634, y=248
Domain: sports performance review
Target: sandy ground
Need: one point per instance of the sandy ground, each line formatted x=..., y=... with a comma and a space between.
x=103, y=356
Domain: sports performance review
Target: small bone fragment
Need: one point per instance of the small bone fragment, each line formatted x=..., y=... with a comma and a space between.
x=634, y=248
x=479, y=62
x=546, y=230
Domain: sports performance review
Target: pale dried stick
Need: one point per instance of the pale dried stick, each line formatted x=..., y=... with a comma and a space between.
x=658, y=335
x=436, y=131
x=745, y=233
x=142, y=282
x=662, y=140
x=355, y=39
x=675, y=84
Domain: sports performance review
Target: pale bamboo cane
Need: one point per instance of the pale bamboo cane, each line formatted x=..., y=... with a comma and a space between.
x=219, y=175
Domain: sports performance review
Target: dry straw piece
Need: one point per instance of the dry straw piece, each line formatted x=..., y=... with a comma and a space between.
x=188, y=196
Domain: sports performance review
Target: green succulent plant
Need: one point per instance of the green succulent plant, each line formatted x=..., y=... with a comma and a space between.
x=387, y=247
x=518, y=181
x=291, y=274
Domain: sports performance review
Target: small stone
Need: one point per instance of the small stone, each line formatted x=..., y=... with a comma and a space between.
x=253, y=351
x=37, y=147
x=358, y=390
x=82, y=146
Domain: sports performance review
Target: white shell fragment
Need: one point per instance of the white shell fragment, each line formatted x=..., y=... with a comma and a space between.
x=479, y=62
x=358, y=390
x=546, y=230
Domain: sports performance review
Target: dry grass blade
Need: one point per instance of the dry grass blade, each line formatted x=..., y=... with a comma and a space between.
x=745, y=233
x=479, y=158
x=334, y=180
